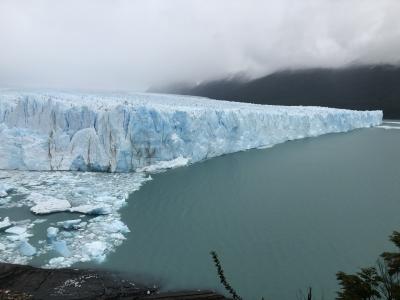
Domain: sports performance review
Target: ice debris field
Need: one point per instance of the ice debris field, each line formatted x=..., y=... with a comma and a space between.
x=123, y=137
x=92, y=230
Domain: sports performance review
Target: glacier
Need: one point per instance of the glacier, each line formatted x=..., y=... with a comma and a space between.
x=123, y=132
x=118, y=139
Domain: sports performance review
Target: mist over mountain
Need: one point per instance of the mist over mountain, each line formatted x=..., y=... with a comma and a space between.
x=367, y=87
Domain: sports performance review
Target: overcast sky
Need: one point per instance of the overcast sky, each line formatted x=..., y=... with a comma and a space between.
x=132, y=44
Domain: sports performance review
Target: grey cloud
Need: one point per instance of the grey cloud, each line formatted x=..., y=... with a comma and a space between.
x=131, y=44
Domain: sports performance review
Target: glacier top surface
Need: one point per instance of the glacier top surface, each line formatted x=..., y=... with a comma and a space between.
x=109, y=100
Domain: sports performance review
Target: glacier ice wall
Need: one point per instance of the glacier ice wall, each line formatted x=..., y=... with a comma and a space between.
x=123, y=132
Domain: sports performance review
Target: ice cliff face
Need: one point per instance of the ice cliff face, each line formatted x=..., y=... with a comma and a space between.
x=124, y=132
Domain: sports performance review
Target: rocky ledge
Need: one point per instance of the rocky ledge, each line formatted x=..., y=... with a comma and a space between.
x=26, y=282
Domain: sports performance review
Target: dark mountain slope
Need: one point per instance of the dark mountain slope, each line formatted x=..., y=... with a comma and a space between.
x=362, y=88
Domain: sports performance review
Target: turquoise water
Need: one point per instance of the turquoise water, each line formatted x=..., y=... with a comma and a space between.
x=281, y=219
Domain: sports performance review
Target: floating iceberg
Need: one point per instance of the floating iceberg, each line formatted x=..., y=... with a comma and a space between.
x=94, y=250
x=124, y=132
x=52, y=233
x=163, y=165
x=4, y=190
x=14, y=241
x=116, y=226
x=48, y=207
x=18, y=233
x=27, y=249
x=62, y=248
x=17, y=230
x=5, y=223
x=100, y=209
x=71, y=224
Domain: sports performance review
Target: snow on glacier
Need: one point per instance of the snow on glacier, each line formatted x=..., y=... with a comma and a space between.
x=116, y=134
x=123, y=132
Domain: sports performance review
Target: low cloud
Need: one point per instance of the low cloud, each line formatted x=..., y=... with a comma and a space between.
x=132, y=44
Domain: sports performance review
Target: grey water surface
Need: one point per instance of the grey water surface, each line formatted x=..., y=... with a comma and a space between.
x=281, y=219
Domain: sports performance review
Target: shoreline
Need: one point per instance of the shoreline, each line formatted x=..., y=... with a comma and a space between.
x=27, y=282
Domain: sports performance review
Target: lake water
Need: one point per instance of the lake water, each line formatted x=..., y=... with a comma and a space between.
x=281, y=219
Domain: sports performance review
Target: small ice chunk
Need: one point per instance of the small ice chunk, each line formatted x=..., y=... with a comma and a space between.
x=4, y=190
x=62, y=248
x=47, y=204
x=27, y=249
x=17, y=230
x=57, y=261
x=167, y=164
x=105, y=199
x=95, y=250
x=70, y=224
x=5, y=223
x=92, y=209
x=52, y=233
x=39, y=221
x=116, y=226
x=2, y=247
x=5, y=200
x=68, y=234
x=117, y=236
x=15, y=238
x=17, y=233
x=47, y=207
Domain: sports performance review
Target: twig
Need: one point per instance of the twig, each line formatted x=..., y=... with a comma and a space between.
x=222, y=277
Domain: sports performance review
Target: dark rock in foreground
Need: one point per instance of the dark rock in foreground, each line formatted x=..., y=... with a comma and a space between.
x=26, y=282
